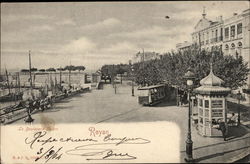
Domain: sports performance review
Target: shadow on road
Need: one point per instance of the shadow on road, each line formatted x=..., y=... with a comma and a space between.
x=58, y=106
x=216, y=144
x=236, y=132
x=166, y=103
x=218, y=154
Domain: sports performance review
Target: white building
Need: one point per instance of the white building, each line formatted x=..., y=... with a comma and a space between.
x=207, y=33
x=230, y=35
x=145, y=56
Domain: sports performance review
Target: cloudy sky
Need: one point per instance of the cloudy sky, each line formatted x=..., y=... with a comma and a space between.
x=97, y=33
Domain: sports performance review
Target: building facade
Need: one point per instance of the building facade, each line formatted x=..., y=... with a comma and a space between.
x=208, y=34
x=183, y=46
x=145, y=56
x=231, y=36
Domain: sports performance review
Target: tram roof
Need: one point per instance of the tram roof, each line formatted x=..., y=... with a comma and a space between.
x=151, y=86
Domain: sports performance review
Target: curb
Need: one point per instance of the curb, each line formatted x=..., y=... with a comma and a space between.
x=239, y=156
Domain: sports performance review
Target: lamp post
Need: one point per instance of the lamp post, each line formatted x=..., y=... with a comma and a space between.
x=239, y=98
x=132, y=69
x=189, y=76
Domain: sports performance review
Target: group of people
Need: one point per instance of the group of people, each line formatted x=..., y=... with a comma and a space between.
x=182, y=99
x=39, y=104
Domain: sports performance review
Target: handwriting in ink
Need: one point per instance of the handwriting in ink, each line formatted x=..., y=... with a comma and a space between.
x=49, y=154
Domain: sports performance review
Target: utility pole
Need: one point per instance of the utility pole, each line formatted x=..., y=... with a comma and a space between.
x=143, y=66
x=60, y=77
x=19, y=84
x=7, y=77
x=239, y=98
x=30, y=71
x=69, y=72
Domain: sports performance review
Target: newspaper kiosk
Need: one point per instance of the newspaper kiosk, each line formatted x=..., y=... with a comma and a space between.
x=212, y=107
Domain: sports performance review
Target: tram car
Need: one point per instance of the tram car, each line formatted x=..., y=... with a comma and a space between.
x=151, y=95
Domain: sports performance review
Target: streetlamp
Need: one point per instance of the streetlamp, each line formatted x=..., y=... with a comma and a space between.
x=189, y=76
x=239, y=98
x=132, y=69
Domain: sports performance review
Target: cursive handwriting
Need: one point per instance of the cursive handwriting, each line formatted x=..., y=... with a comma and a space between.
x=92, y=150
x=49, y=154
x=39, y=137
x=125, y=140
x=115, y=156
x=106, y=149
x=102, y=151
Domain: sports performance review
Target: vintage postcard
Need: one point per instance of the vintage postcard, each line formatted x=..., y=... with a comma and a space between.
x=125, y=82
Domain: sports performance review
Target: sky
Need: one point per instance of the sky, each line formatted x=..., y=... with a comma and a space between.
x=97, y=33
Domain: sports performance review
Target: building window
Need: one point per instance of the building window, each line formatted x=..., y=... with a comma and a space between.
x=240, y=44
x=216, y=104
x=226, y=32
x=232, y=45
x=239, y=48
x=226, y=46
x=232, y=31
x=239, y=28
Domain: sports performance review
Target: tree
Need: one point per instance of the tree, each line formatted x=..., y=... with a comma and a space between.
x=60, y=69
x=33, y=69
x=172, y=67
x=80, y=68
x=149, y=74
x=70, y=68
x=41, y=70
x=51, y=70
x=24, y=70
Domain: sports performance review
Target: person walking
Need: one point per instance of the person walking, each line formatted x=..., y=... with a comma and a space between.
x=222, y=127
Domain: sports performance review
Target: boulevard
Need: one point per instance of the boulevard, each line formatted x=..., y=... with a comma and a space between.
x=101, y=106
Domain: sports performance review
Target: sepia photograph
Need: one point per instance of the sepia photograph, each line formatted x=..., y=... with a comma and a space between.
x=125, y=82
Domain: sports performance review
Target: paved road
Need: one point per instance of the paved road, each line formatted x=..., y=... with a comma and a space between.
x=106, y=106
x=92, y=107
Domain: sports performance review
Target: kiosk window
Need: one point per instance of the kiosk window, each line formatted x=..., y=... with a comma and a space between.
x=200, y=111
x=206, y=113
x=217, y=104
x=217, y=113
x=201, y=102
x=206, y=122
x=206, y=103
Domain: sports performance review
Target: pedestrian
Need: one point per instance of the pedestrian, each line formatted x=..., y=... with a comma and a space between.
x=42, y=106
x=233, y=119
x=181, y=99
x=222, y=127
x=29, y=119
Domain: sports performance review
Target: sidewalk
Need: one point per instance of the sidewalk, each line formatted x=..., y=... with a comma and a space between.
x=216, y=150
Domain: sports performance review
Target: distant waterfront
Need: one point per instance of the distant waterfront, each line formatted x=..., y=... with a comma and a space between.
x=40, y=80
x=43, y=78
